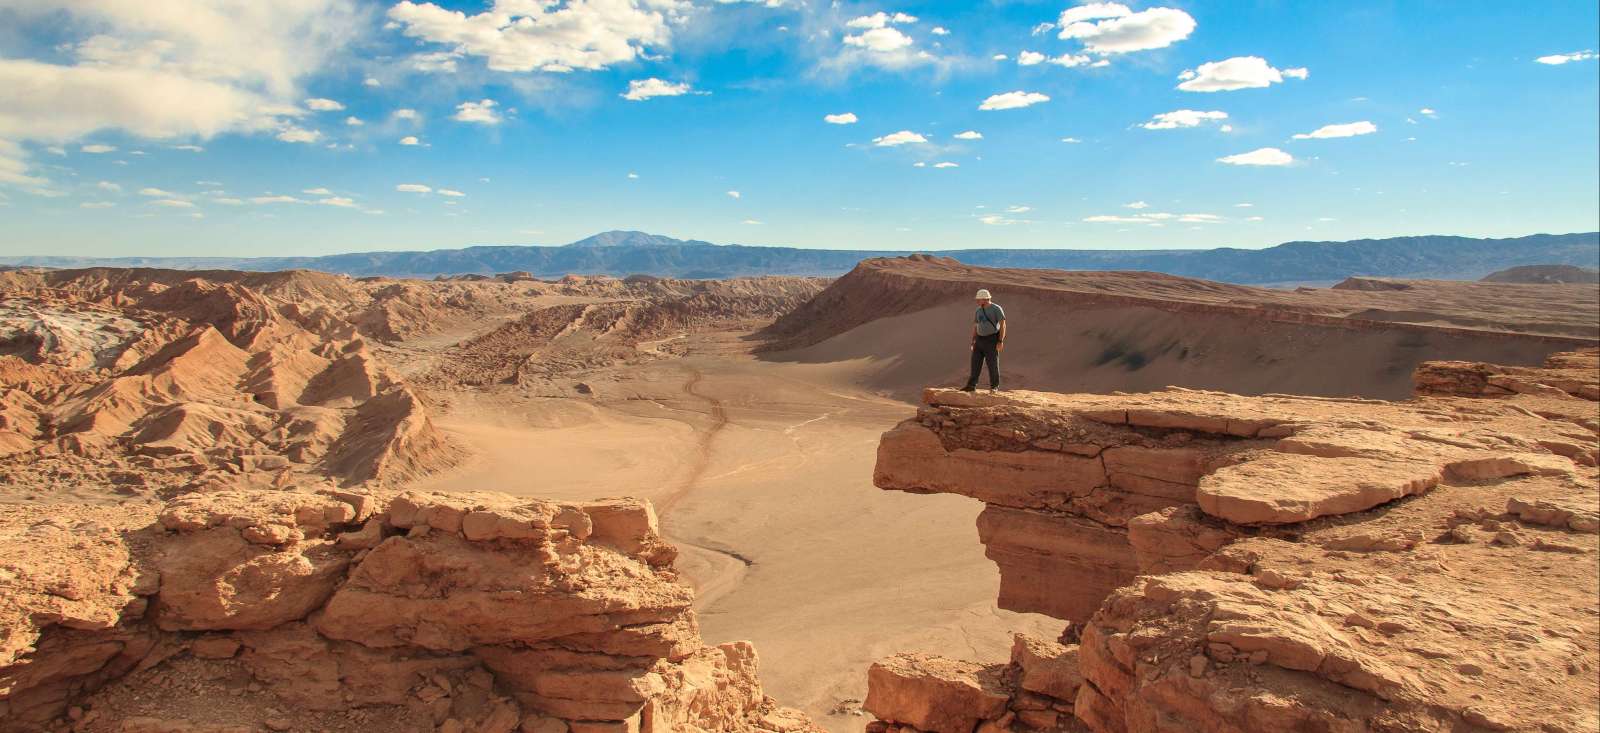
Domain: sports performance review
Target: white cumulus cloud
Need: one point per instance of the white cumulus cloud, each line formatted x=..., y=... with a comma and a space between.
x=1111, y=28
x=354, y=121
x=1030, y=58
x=946, y=164
x=879, y=40
x=450, y=192
x=523, y=35
x=902, y=137
x=733, y=194
x=410, y=140
x=98, y=149
x=480, y=112
x=969, y=135
x=1239, y=72
x=1260, y=156
x=1012, y=100
x=873, y=40
x=413, y=188
x=846, y=118
x=1349, y=129
x=324, y=105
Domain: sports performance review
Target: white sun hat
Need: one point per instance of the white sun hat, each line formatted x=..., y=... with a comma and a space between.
x=983, y=295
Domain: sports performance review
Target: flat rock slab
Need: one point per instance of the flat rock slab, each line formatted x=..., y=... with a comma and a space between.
x=935, y=694
x=1284, y=488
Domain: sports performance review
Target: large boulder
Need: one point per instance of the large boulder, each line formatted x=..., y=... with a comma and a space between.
x=936, y=694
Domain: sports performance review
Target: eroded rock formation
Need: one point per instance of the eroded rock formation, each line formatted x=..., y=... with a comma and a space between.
x=350, y=611
x=1278, y=562
x=160, y=386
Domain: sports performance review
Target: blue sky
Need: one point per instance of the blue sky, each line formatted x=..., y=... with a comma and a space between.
x=226, y=127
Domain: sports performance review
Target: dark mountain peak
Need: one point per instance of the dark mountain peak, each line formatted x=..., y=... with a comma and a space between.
x=626, y=238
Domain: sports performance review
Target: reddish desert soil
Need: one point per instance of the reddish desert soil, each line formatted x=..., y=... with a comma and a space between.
x=748, y=411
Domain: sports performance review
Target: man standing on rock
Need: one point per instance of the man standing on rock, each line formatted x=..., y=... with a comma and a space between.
x=988, y=340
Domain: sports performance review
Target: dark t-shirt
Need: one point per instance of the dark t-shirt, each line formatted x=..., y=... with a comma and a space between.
x=988, y=319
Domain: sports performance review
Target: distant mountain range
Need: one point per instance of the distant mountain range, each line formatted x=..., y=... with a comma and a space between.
x=624, y=253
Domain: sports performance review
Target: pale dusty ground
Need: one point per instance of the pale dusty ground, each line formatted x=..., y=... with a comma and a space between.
x=763, y=474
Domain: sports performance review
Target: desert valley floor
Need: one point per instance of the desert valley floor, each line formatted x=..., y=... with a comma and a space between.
x=749, y=412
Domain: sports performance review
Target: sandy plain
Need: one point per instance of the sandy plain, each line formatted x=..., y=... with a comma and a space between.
x=762, y=473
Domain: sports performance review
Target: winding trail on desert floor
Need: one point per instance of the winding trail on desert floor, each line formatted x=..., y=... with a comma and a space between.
x=702, y=454
x=727, y=566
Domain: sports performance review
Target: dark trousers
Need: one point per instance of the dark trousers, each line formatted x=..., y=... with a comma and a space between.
x=985, y=349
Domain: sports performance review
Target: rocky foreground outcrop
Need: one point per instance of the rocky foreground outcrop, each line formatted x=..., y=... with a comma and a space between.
x=277, y=610
x=1273, y=563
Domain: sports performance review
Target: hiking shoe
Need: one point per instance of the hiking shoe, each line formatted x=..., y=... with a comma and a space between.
x=969, y=388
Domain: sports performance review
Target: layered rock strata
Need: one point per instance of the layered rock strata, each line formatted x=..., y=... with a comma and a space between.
x=1287, y=563
x=350, y=611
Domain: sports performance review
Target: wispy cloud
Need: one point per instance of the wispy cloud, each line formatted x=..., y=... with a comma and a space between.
x=1013, y=100
x=1349, y=129
x=1184, y=118
x=642, y=89
x=1567, y=58
x=1259, y=156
